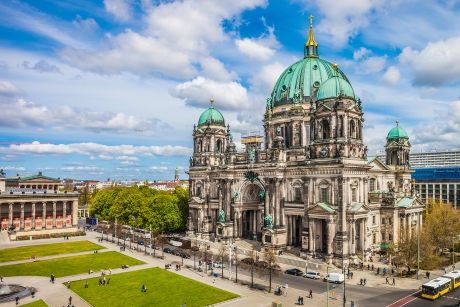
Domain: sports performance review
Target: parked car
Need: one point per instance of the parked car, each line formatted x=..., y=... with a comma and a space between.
x=247, y=260
x=218, y=265
x=336, y=278
x=312, y=275
x=169, y=250
x=181, y=253
x=295, y=272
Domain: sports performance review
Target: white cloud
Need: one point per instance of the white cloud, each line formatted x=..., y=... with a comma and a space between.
x=121, y=9
x=12, y=168
x=392, y=75
x=127, y=158
x=76, y=168
x=264, y=80
x=215, y=69
x=42, y=66
x=159, y=168
x=436, y=64
x=254, y=49
x=21, y=113
x=372, y=65
x=361, y=53
x=96, y=149
x=342, y=19
x=7, y=88
x=198, y=92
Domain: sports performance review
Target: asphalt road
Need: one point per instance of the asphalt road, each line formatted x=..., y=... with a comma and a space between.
x=450, y=299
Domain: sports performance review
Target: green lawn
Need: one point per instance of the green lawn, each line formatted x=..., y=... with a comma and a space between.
x=71, y=265
x=39, y=303
x=164, y=289
x=26, y=252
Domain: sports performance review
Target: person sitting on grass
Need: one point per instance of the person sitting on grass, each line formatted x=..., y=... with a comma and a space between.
x=144, y=288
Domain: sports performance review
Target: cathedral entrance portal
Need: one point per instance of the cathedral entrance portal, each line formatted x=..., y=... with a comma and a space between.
x=249, y=230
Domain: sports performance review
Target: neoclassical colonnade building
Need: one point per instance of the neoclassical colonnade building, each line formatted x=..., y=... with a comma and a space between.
x=308, y=182
x=34, y=205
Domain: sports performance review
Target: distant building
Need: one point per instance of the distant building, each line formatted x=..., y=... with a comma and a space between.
x=435, y=159
x=34, y=205
x=439, y=183
x=168, y=185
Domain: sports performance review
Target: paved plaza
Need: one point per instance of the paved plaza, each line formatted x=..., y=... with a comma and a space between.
x=375, y=293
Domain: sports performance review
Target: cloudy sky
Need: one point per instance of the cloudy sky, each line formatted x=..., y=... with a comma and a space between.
x=112, y=88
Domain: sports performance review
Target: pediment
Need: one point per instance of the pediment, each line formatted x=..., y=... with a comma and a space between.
x=377, y=165
x=321, y=208
x=196, y=200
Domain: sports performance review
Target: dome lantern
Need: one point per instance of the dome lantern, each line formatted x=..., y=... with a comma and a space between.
x=311, y=46
x=397, y=132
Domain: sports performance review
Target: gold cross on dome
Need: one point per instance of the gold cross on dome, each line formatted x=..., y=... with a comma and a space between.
x=311, y=20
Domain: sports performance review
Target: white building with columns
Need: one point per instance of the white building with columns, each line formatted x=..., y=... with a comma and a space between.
x=307, y=184
x=34, y=206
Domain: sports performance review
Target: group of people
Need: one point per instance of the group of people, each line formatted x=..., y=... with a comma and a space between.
x=300, y=298
x=103, y=281
x=388, y=282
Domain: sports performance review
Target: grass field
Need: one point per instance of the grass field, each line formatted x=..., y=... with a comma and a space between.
x=164, y=289
x=26, y=252
x=71, y=265
x=39, y=303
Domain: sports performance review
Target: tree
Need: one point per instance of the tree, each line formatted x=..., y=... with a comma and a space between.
x=406, y=251
x=271, y=260
x=222, y=252
x=253, y=256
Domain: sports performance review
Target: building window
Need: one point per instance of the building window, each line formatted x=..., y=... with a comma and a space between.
x=374, y=238
x=354, y=196
x=390, y=237
x=297, y=194
x=324, y=195
x=372, y=185
x=383, y=221
x=198, y=191
x=390, y=220
x=373, y=219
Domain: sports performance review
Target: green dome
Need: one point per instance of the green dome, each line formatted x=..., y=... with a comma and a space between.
x=334, y=87
x=397, y=133
x=211, y=116
x=302, y=77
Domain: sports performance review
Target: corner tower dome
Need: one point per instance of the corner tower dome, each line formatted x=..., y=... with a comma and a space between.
x=211, y=116
x=397, y=132
x=301, y=81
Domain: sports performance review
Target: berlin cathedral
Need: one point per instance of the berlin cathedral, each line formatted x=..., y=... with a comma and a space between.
x=307, y=184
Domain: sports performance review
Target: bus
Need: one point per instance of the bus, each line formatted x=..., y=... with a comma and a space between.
x=454, y=277
x=435, y=288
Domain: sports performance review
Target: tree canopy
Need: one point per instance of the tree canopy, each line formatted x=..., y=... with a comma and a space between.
x=142, y=207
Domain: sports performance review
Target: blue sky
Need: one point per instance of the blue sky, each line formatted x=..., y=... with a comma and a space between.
x=112, y=88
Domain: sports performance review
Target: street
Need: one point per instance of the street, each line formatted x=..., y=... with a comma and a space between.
x=415, y=300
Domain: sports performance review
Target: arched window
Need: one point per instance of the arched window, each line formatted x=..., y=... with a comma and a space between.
x=352, y=129
x=326, y=129
x=324, y=195
x=354, y=195
x=372, y=186
x=340, y=128
x=199, y=146
x=219, y=146
x=297, y=194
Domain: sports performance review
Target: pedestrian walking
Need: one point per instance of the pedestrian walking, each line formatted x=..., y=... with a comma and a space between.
x=301, y=300
x=17, y=300
x=368, y=267
x=372, y=267
x=310, y=295
x=86, y=284
x=378, y=271
x=394, y=283
x=1, y=278
x=351, y=275
x=427, y=274
x=70, y=300
x=361, y=281
x=364, y=281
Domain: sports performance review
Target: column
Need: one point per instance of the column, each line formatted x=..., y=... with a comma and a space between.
x=420, y=218
x=276, y=203
x=10, y=214
x=361, y=235
x=75, y=213
x=366, y=191
x=235, y=224
x=33, y=215
x=54, y=214
x=310, y=235
x=267, y=201
x=64, y=213
x=409, y=223
x=289, y=230
x=254, y=221
x=228, y=199
x=240, y=223
x=330, y=236
x=353, y=237
x=282, y=219
x=21, y=221
x=44, y=215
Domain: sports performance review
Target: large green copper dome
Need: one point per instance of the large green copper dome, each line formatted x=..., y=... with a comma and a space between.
x=211, y=116
x=397, y=133
x=309, y=78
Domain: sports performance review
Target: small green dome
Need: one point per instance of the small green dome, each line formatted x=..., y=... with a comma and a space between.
x=211, y=116
x=334, y=87
x=300, y=80
x=397, y=133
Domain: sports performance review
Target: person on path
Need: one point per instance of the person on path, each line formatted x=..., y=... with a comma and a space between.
x=394, y=282
x=386, y=280
x=17, y=300
x=364, y=281
x=70, y=300
x=1, y=278
x=298, y=300
x=310, y=295
x=361, y=281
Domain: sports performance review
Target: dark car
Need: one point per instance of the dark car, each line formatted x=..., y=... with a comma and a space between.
x=295, y=272
x=181, y=253
x=247, y=260
x=169, y=250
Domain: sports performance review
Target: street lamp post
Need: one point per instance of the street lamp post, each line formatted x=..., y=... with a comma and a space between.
x=327, y=286
x=418, y=247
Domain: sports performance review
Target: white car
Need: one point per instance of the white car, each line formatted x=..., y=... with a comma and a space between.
x=336, y=278
x=312, y=275
x=218, y=265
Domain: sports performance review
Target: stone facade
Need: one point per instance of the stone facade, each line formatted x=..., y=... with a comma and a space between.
x=34, y=206
x=311, y=185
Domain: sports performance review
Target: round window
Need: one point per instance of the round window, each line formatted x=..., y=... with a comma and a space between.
x=315, y=67
x=316, y=84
